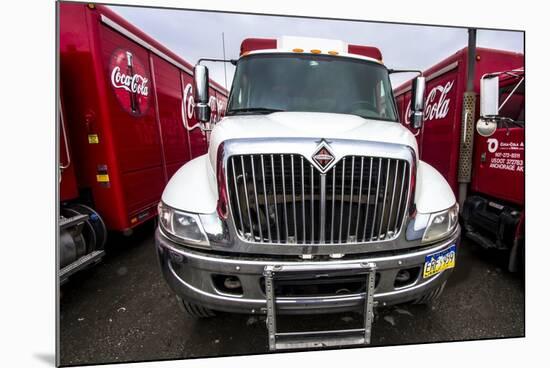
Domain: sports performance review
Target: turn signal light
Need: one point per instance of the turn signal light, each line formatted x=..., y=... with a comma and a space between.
x=298, y=50
x=315, y=51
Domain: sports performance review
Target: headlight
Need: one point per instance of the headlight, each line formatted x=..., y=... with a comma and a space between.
x=183, y=225
x=441, y=224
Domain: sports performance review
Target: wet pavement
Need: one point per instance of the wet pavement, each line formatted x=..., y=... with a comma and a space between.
x=122, y=310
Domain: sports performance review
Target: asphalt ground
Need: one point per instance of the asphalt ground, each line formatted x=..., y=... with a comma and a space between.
x=122, y=310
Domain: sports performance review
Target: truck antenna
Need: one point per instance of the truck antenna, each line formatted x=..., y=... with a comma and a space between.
x=224, y=65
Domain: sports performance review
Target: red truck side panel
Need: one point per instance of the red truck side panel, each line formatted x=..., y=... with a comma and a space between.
x=437, y=138
x=169, y=94
x=440, y=136
x=124, y=98
x=498, y=161
x=499, y=165
x=134, y=134
x=68, y=188
x=442, y=124
x=489, y=61
x=80, y=79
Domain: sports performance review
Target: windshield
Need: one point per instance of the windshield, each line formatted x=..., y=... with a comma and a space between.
x=313, y=83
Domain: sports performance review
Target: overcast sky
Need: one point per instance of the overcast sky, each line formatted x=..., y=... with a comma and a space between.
x=195, y=34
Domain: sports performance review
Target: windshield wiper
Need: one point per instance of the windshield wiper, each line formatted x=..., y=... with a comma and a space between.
x=252, y=110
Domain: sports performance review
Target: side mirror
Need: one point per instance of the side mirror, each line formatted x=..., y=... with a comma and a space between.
x=201, y=97
x=486, y=127
x=417, y=102
x=489, y=96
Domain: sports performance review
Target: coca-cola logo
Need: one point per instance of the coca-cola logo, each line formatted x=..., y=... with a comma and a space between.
x=492, y=145
x=188, y=108
x=437, y=103
x=130, y=82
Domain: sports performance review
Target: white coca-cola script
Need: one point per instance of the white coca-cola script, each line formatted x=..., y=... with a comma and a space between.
x=437, y=103
x=131, y=83
x=188, y=108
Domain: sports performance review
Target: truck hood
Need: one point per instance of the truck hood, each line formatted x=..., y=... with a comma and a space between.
x=308, y=125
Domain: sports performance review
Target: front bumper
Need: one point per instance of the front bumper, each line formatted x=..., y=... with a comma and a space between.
x=189, y=272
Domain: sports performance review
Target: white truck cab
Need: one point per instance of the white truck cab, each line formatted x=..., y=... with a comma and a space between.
x=311, y=199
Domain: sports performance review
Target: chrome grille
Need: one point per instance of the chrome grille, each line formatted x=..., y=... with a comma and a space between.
x=283, y=198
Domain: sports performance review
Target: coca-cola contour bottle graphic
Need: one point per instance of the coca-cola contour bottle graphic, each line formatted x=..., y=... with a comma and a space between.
x=130, y=71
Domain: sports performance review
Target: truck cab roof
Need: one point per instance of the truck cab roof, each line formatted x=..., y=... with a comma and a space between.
x=288, y=44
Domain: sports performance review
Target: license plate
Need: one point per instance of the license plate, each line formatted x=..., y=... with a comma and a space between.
x=440, y=261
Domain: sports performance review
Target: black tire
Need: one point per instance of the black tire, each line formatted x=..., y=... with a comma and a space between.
x=195, y=310
x=95, y=222
x=516, y=257
x=88, y=232
x=431, y=297
x=520, y=269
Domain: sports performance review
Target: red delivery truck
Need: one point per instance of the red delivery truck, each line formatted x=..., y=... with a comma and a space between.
x=126, y=125
x=493, y=207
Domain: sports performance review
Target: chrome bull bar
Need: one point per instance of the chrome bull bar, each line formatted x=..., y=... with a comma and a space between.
x=318, y=339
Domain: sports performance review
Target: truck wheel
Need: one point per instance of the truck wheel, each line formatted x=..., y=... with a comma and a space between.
x=95, y=222
x=195, y=310
x=432, y=296
x=516, y=257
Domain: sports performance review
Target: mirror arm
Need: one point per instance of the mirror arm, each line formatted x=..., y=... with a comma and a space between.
x=205, y=126
x=395, y=71
x=232, y=61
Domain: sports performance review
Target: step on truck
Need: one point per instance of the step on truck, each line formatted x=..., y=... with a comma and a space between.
x=311, y=199
x=487, y=157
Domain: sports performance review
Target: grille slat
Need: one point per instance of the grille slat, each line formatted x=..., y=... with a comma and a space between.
x=303, y=200
x=256, y=199
x=312, y=202
x=376, y=197
x=381, y=218
x=359, y=204
x=293, y=197
x=251, y=227
x=333, y=203
x=322, y=208
x=392, y=196
x=400, y=198
x=236, y=191
x=351, y=195
x=265, y=201
x=360, y=199
x=283, y=175
x=368, y=201
x=342, y=199
x=274, y=195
